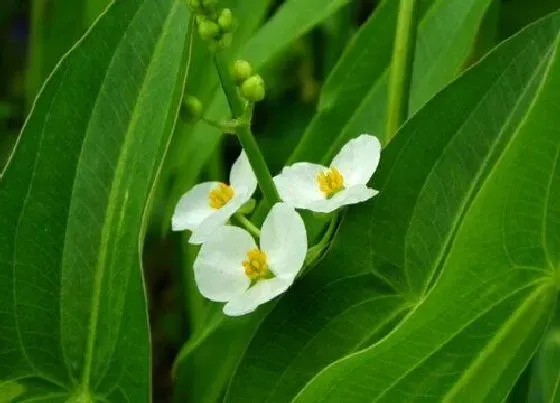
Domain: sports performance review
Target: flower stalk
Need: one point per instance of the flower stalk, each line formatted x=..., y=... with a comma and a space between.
x=246, y=138
x=248, y=225
x=400, y=75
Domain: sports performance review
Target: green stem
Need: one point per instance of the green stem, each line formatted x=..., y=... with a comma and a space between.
x=401, y=67
x=246, y=138
x=248, y=225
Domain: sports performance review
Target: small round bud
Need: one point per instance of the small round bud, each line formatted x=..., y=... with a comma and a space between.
x=208, y=30
x=253, y=89
x=242, y=70
x=225, y=20
x=191, y=110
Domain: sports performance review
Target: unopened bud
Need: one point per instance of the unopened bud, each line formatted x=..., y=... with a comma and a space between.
x=253, y=89
x=225, y=20
x=208, y=30
x=242, y=70
x=191, y=110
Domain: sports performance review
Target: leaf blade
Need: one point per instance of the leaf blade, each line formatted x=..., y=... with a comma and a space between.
x=95, y=115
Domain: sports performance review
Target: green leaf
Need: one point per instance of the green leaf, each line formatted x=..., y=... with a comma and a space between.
x=319, y=323
x=480, y=205
x=293, y=19
x=73, y=208
x=354, y=98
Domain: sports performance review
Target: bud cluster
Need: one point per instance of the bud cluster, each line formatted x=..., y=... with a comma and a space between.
x=213, y=24
x=251, y=86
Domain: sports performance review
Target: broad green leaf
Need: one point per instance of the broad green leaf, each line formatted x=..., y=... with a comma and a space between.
x=354, y=97
x=482, y=163
x=73, y=208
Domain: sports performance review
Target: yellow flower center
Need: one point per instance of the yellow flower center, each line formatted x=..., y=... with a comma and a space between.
x=256, y=266
x=220, y=195
x=330, y=182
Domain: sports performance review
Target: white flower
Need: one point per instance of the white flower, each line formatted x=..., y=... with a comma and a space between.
x=321, y=189
x=209, y=205
x=231, y=268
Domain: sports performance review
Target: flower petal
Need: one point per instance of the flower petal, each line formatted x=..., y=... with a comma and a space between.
x=218, y=271
x=241, y=176
x=218, y=218
x=193, y=207
x=358, y=160
x=284, y=240
x=262, y=292
x=297, y=184
x=352, y=195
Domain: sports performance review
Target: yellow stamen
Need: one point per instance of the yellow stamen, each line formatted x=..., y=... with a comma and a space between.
x=220, y=195
x=256, y=266
x=330, y=181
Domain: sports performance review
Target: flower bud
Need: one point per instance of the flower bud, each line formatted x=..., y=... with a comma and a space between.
x=242, y=70
x=225, y=20
x=253, y=89
x=208, y=30
x=191, y=110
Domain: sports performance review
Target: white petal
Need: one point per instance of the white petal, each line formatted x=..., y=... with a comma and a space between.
x=358, y=160
x=218, y=218
x=193, y=207
x=262, y=292
x=284, y=240
x=297, y=184
x=352, y=195
x=241, y=176
x=218, y=271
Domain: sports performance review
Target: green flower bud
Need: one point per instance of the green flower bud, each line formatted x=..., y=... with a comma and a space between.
x=225, y=20
x=191, y=110
x=253, y=89
x=242, y=70
x=208, y=30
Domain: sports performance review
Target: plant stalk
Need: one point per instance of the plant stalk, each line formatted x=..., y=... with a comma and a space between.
x=400, y=75
x=246, y=138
